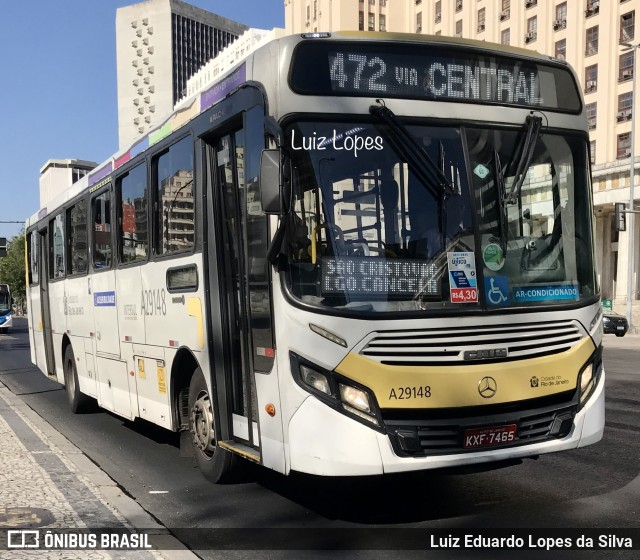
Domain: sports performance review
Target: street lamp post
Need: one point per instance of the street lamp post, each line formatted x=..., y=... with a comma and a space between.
x=630, y=212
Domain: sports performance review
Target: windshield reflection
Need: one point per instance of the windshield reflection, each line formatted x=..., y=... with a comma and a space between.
x=368, y=233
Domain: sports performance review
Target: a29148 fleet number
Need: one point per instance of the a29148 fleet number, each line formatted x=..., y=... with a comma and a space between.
x=404, y=393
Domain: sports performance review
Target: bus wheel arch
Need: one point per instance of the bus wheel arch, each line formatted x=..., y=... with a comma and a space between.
x=216, y=464
x=182, y=370
x=78, y=402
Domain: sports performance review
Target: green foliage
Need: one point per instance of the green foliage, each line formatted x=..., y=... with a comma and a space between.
x=12, y=267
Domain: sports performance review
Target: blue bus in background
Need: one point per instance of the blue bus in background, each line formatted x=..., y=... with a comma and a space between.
x=6, y=308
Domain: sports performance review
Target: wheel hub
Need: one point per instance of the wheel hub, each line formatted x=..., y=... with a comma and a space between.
x=201, y=424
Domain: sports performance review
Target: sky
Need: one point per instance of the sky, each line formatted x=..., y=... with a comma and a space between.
x=58, y=90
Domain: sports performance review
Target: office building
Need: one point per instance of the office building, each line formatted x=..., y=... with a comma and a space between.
x=57, y=175
x=586, y=33
x=160, y=44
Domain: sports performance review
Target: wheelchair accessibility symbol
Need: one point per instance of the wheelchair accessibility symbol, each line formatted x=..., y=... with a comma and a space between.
x=497, y=290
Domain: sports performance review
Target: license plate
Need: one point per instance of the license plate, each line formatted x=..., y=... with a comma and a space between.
x=620, y=328
x=488, y=437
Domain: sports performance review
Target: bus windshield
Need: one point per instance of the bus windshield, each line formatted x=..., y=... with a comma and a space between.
x=5, y=302
x=370, y=233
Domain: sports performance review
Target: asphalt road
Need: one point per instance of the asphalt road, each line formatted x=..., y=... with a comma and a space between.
x=595, y=487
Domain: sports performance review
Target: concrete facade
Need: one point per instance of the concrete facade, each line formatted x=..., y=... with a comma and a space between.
x=160, y=44
x=57, y=175
x=587, y=34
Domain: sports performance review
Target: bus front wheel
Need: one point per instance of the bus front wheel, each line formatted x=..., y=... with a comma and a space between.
x=77, y=401
x=214, y=462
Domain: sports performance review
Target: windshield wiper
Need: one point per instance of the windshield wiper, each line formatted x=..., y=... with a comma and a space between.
x=526, y=149
x=417, y=157
x=501, y=187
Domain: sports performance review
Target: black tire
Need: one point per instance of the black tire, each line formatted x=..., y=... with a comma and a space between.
x=619, y=334
x=215, y=463
x=78, y=402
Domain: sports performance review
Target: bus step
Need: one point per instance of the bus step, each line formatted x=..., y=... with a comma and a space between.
x=244, y=450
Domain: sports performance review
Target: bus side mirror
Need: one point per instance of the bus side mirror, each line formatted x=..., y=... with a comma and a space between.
x=271, y=181
x=621, y=218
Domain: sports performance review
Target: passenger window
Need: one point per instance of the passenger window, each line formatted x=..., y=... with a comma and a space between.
x=56, y=247
x=102, y=244
x=174, y=219
x=77, y=234
x=133, y=235
x=32, y=244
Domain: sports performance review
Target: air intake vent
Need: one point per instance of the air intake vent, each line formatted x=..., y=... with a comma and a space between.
x=436, y=346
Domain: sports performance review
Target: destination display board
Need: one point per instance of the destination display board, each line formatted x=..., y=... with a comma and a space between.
x=377, y=276
x=430, y=72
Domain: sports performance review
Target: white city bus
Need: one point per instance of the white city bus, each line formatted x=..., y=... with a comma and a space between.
x=6, y=308
x=354, y=254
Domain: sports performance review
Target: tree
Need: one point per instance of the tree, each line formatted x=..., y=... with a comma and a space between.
x=12, y=268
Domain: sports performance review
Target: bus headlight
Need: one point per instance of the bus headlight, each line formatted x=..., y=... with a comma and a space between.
x=356, y=401
x=315, y=379
x=589, y=376
x=355, y=398
x=586, y=382
x=339, y=393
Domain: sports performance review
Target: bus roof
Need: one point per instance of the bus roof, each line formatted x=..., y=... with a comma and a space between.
x=240, y=73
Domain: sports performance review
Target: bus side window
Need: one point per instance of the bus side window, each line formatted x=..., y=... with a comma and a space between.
x=56, y=247
x=32, y=245
x=77, y=238
x=174, y=219
x=133, y=239
x=102, y=245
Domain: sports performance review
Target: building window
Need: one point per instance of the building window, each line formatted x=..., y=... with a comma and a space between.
x=625, y=106
x=625, y=71
x=372, y=22
x=505, y=13
x=561, y=49
x=591, y=78
x=459, y=28
x=624, y=145
x=419, y=22
x=592, y=152
x=458, y=6
x=382, y=22
x=481, y=20
x=561, y=16
x=627, y=24
x=593, y=7
x=530, y=3
x=592, y=114
x=532, y=30
x=592, y=41
x=315, y=10
x=438, y=16
x=505, y=38
x=361, y=21
x=308, y=14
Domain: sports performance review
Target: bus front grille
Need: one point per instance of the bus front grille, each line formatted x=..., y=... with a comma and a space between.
x=441, y=436
x=489, y=343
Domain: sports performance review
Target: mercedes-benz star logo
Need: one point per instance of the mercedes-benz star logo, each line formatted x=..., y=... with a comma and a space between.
x=487, y=387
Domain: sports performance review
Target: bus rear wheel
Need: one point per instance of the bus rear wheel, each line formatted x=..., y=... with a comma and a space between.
x=78, y=402
x=214, y=462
